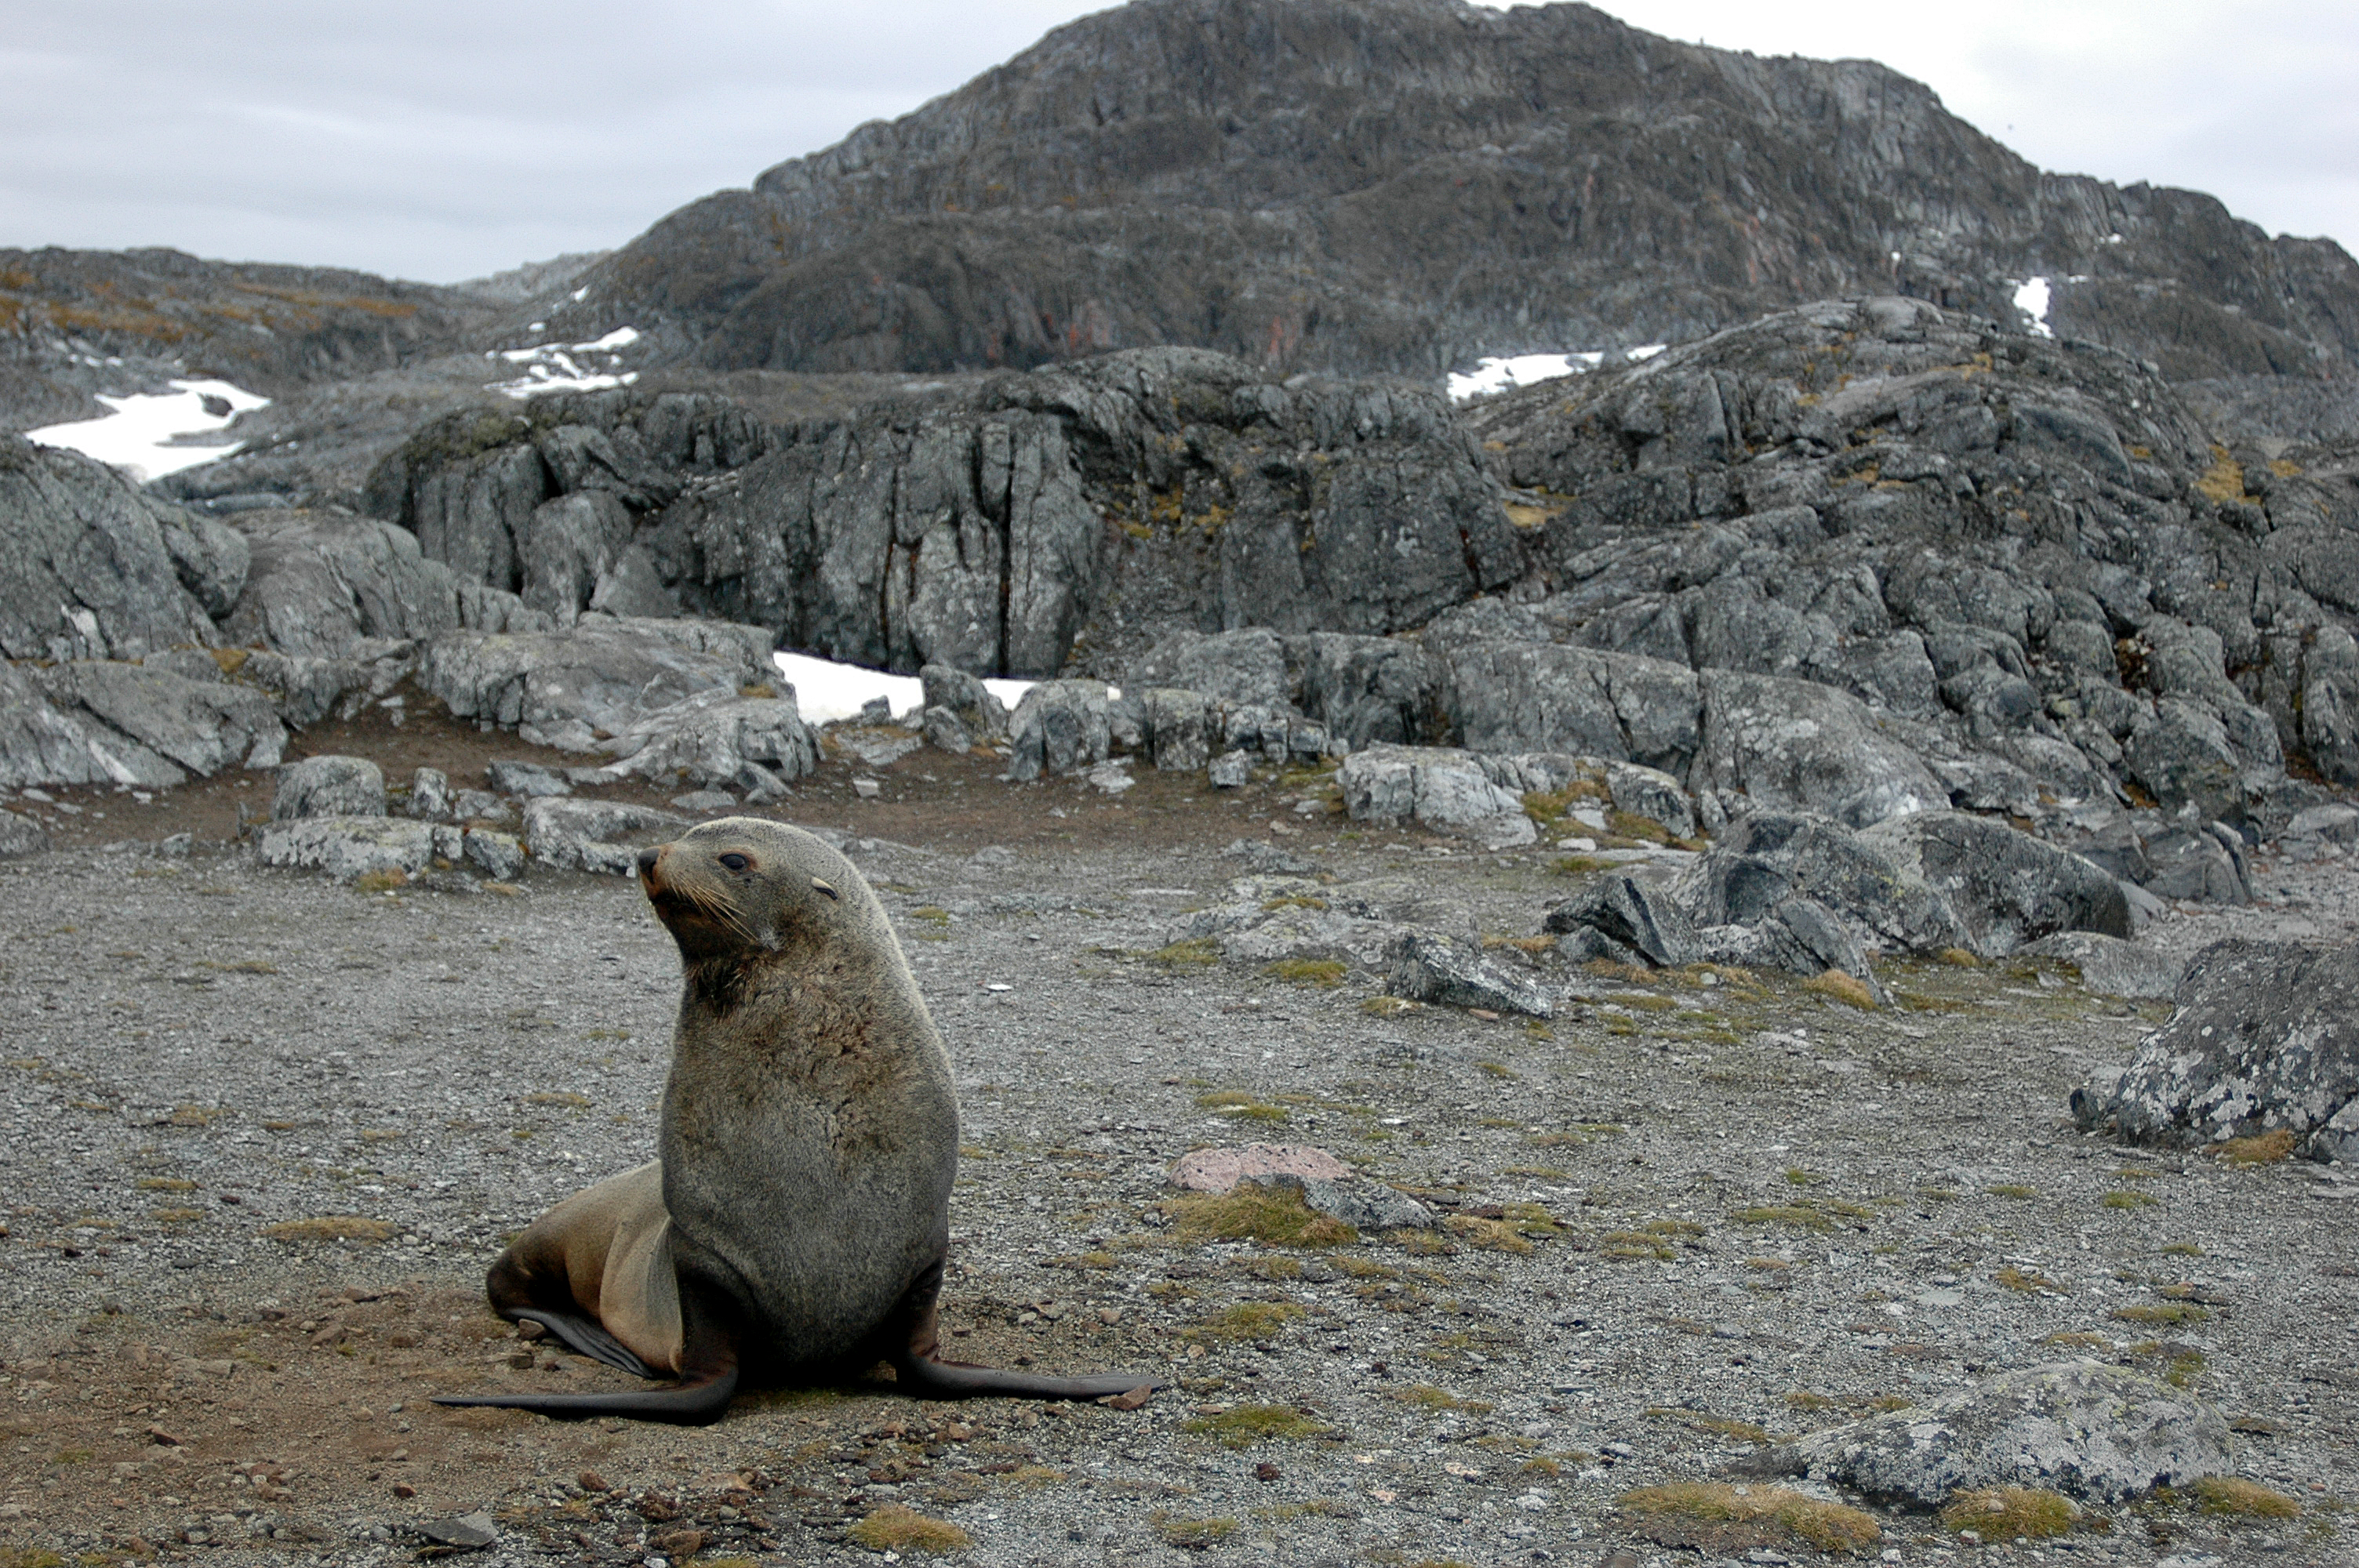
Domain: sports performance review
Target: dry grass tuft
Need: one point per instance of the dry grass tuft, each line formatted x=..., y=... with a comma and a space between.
x=384, y=880
x=1848, y=990
x=1387, y=1005
x=1197, y=953
x=1277, y=1215
x=1192, y=1534
x=1247, y=1320
x=331, y=1227
x=2262, y=1148
x=1244, y=1107
x=1771, y=1511
x=1324, y=973
x=895, y=1528
x=2232, y=1496
x=2010, y=1513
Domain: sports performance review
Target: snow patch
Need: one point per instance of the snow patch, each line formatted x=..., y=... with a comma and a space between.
x=1647, y=351
x=1519, y=370
x=560, y=367
x=826, y=691
x=137, y=437
x=2031, y=298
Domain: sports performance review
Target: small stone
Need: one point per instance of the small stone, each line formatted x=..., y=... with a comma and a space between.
x=468, y=1532
x=404, y=1489
x=1266, y=1471
x=867, y=789
x=1230, y=770
x=590, y=1481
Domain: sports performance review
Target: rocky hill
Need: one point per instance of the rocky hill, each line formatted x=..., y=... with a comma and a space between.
x=1405, y=185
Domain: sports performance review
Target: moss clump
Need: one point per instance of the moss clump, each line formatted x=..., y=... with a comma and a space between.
x=1577, y=865
x=1244, y=1107
x=2130, y=1197
x=1771, y=1512
x=1245, y=1425
x=2009, y=1513
x=1387, y=1005
x=1629, y=825
x=1848, y=990
x=895, y=1528
x=2166, y=1312
x=1486, y=1235
x=1958, y=957
x=2232, y=1496
x=331, y=1227
x=1277, y=1215
x=1247, y=1320
x=2028, y=1281
x=1197, y=953
x=2012, y=1190
x=1427, y=1396
x=2223, y=480
x=2262, y=1148
x=1324, y=973
x=1192, y=1534
x=384, y=880
x=166, y=1184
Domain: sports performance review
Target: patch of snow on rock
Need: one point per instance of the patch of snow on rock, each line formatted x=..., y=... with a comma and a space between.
x=2031, y=298
x=826, y=691
x=139, y=434
x=1518, y=370
x=560, y=367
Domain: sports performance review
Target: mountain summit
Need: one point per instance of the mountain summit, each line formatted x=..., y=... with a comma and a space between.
x=1407, y=185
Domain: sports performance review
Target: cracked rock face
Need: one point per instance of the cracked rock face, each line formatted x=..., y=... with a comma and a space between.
x=2262, y=1039
x=2075, y=1427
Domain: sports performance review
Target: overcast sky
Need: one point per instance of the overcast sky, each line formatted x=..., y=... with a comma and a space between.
x=436, y=140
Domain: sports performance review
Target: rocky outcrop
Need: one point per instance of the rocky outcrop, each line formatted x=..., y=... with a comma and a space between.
x=600, y=837
x=329, y=786
x=2088, y=1431
x=97, y=570
x=592, y=681
x=995, y=529
x=2263, y=1042
x=107, y=721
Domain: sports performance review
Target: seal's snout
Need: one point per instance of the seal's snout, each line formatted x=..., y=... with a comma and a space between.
x=648, y=860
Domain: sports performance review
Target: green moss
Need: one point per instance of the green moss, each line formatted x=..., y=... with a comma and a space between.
x=2011, y=1513
x=1196, y=953
x=1247, y=1425
x=1326, y=974
x=1277, y=1215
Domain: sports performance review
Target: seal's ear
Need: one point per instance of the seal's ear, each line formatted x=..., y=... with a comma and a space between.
x=825, y=888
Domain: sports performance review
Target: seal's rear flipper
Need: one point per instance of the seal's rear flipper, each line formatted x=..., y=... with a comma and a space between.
x=588, y=1339
x=708, y=1370
x=689, y=1404
x=928, y=1379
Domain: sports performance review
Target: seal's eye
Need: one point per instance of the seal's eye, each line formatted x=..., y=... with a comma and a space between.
x=735, y=862
x=822, y=887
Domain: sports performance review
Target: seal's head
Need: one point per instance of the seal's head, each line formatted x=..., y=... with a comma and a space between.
x=732, y=890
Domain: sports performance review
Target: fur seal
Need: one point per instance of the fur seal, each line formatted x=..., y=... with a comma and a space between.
x=794, y=1224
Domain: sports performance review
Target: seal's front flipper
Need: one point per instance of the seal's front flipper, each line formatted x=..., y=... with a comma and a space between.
x=708, y=1375
x=587, y=1338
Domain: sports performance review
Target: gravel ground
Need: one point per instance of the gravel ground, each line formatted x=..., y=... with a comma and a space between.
x=1686, y=1217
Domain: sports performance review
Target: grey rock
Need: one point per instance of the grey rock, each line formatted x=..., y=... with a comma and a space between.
x=318, y=584
x=1362, y=1206
x=1632, y=913
x=2110, y=965
x=1653, y=795
x=1789, y=745
x=350, y=846
x=41, y=745
x=560, y=688
x=429, y=794
x=143, y=726
x=500, y=855
x=571, y=546
x=1245, y=669
x=982, y=716
x=329, y=786
x=1423, y=967
x=2180, y=755
x=941, y=729
x=1760, y=861
x=96, y=568
x=1539, y=696
x=600, y=837
x=2263, y=1038
x=1178, y=726
x=466, y=1532
x=1230, y=770
x=1271, y=859
x=526, y=780
x=712, y=739
x=2101, y=1432
x=1438, y=787
x=20, y=836
x=1060, y=726
x=2006, y=887
x=2333, y=823
x=479, y=806
x=2192, y=862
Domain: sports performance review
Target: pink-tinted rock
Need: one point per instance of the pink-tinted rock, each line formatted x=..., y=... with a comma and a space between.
x=1219, y=1170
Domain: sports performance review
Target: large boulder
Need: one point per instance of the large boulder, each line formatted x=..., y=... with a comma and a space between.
x=96, y=568
x=320, y=583
x=2105, y=1433
x=329, y=786
x=1428, y=967
x=2265, y=1037
x=573, y=687
x=981, y=717
x=1544, y=697
x=1762, y=860
x=2006, y=887
x=1791, y=745
x=1061, y=727
x=2112, y=966
x=346, y=847
x=600, y=837
x=1435, y=787
x=718, y=737
x=151, y=727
